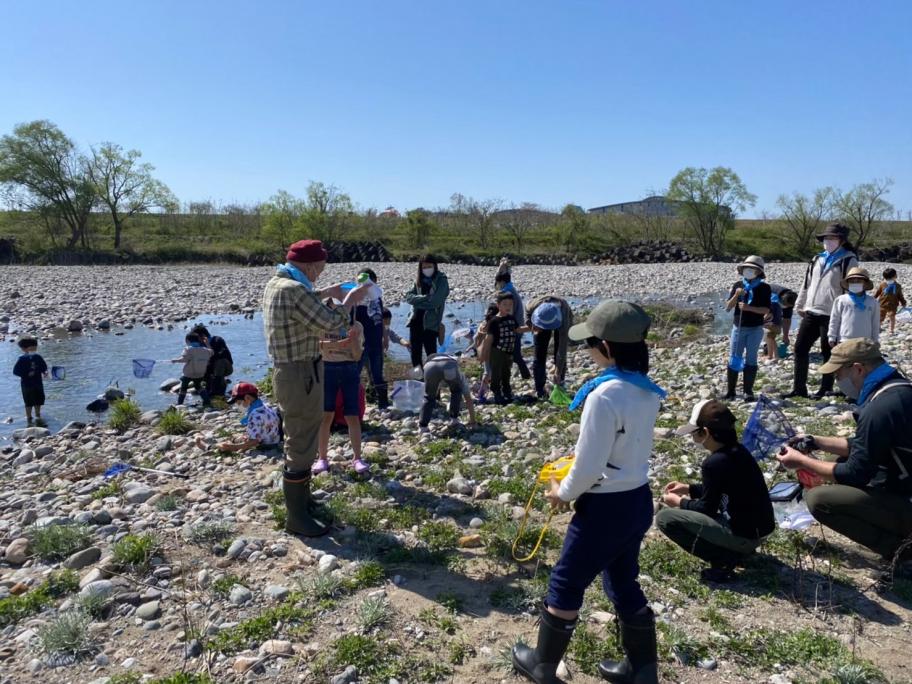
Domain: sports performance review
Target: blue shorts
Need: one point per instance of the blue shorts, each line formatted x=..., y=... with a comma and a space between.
x=342, y=375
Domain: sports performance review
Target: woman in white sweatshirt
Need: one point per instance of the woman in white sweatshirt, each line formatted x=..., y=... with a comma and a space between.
x=856, y=313
x=613, y=504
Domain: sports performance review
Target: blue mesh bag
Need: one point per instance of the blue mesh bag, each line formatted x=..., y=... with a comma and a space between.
x=767, y=429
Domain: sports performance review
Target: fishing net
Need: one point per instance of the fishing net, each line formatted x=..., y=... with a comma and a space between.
x=766, y=430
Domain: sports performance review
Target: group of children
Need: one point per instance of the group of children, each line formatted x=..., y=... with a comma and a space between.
x=207, y=365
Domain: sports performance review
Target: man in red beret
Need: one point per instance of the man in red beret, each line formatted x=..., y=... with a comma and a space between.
x=296, y=320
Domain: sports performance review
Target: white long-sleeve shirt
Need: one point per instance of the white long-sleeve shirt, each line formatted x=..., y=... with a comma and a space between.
x=847, y=321
x=615, y=442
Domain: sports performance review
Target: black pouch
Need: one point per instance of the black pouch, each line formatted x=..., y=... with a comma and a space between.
x=785, y=491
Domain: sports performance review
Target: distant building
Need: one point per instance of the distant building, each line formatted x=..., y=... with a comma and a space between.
x=657, y=205
x=390, y=212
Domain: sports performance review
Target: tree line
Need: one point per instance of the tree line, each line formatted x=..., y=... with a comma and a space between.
x=45, y=174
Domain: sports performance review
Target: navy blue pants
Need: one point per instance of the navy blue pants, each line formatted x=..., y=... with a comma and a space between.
x=373, y=359
x=604, y=537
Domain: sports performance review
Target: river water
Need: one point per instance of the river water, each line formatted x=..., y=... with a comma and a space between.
x=95, y=359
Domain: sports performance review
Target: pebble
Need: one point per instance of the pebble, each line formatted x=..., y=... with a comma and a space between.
x=236, y=549
x=148, y=611
x=239, y=595
x=348, y=676
x=277, y=592
x=81, y=559
x=17, y=551
x=276, y=647
x=102, y=588
x=137, y=493
x=327, y=564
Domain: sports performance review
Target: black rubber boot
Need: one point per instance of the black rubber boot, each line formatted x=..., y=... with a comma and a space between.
x=750, y=375
x=826, y=385
x=638, y=639
x=383, y=401
x=298, y=503
x=731, y=379
x=540, y=664
x=799, y=386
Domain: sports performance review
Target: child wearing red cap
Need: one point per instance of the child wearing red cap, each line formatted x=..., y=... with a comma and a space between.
x=261, y=421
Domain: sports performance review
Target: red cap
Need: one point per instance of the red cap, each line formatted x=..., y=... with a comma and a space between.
x=241, y=390
x=307, y=252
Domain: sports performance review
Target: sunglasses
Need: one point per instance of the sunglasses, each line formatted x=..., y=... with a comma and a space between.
x=593, y=342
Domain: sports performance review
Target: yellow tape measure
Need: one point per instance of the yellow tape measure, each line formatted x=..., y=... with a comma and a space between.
x=555, y=469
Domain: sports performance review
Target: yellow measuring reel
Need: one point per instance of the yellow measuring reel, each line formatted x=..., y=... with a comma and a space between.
x=558, y=470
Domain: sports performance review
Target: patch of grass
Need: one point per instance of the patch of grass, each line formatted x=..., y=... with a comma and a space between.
x=452, y=602
x=436, y=451
x=715, y=619
x=113, y=488
x=125, y=678
x=855, y=673
x=183, y=678
x=445, y=623
x=765, y=648
x=669, y=565
x=500, y=530
x=134, y=551
x=373, y=612
x=166, y=503
x=276, y=500
x=459, y=651
x=368, y=574
x=347, y=512
x=323, y=587
x=265, y=385
x=210, y=533
x=92, y=604
x=439, y=535
x=251, y=633
x=57, y=542
x=174, y=423
x=15, y=608
x=682, y=644
x=124, y=414
x=222, y=586
x=587, y=649
x=67, y=634
x=404, y=517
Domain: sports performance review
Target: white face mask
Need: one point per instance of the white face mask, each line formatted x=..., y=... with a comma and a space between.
x=856, y=287
x=847, y=387
x=890, y=282
x=749, y=273
x=427, y=272
x=831, y=245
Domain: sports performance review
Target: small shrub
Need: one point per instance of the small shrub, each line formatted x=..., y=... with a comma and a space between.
x=166, y=503
x=222, y=586
x=373, y=612
x=15, y=608
x=452, y=602
x=125, y=414
x=368, y=574
x=322, y=587
x=68, y=634
x=439, y=535
x=210, y=533
x=113, y=488
x=134, y=551
x=276, y=501
x=175, y=423
x=182, y=678
x=92, y=604
x=57, y=542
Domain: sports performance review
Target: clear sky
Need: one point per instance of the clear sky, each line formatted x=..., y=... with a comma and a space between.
x=404, y=103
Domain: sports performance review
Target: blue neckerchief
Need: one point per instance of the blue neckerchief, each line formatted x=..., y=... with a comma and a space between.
x=196, y=345
x=749, y=286
x=614, y=373
x=875, y=377
x=257, y=403
x=774, y=298
x=858, y=298
x=890, y=288
x=508, y=288
x=295, y=273
x=829, y=260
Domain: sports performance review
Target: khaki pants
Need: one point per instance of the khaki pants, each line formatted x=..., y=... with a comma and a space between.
x=299, y=391
x=703, y=536
x=874, y=518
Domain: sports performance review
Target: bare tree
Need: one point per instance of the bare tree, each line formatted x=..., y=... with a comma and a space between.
x=519, y=222
x=803, y=217
x=863, y=208
x=477, y=215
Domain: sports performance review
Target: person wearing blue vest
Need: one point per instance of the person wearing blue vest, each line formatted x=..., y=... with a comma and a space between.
x=609, y=483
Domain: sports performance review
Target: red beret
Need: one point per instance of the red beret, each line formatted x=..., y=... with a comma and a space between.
x=307, y=252
x=241, y=390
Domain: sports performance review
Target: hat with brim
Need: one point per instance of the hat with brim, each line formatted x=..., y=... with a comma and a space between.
x=547, y=316
x=835, y=230
x=709, y=413
x=858, y=273
x=614, y=321
x=857, y=350
x=753, y=261
x=241, y=390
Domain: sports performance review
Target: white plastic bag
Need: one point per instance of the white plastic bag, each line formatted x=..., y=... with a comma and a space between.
x=793, y=515
x=407, y=395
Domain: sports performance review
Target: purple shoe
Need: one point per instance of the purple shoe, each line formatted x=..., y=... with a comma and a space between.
x=321, y=466
x=361, y=468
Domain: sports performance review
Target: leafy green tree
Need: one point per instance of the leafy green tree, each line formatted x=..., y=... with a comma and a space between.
x=573, y=228
x=328, y=211
x=708, y=200
x=283, y=218
x=803, y=217
x=419, y=227
x=863, y=208
x=477, y=216
x=42, y=171
x=125, y=185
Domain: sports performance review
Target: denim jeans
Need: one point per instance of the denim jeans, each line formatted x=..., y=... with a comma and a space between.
x=745, y=343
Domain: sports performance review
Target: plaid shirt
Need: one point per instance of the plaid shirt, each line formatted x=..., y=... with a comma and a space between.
x=296, y=320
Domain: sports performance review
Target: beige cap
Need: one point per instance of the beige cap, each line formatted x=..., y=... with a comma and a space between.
x=855, y=273
x=857, y=350
x=753, y=261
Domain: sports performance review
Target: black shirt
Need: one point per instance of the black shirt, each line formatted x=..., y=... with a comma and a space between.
x=880, y=453
x=733, y=485
x=504, y=331
x=29, y=368
x=762, y=297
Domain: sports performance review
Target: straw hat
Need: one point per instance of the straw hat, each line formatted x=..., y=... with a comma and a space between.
x=855, y=273
x=753, y=261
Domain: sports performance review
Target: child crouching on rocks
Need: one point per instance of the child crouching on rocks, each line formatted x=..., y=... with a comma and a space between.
x=444, y=368
x=262, y=425
x=609, y=480
x=724, y=518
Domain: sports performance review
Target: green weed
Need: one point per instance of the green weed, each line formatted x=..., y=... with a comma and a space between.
x=15, y=608
x=166, y=503
x=57, y=542
x=67, y=634
x=276, y=501
x=222, y=586
x=252, y=632
x=368, y=574
x=210, y=533
x=373, y=612
x=134, y=551
x=113, y=488
x=587, y=649
x=125, y=414
x=175, y=423
x=439, y=535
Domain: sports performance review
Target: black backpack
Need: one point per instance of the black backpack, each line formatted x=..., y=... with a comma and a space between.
x=844, y=265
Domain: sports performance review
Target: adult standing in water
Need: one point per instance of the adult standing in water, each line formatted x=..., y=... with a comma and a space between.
x=822, y=285
x=427, y=297
x=609, y=480
x=295, y=320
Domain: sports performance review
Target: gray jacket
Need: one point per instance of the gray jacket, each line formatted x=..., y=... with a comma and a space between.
x=820, y=290
x=196, y=360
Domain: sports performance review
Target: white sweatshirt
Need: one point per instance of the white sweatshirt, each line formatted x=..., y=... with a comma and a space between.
x=615, y=442
x=847, y=321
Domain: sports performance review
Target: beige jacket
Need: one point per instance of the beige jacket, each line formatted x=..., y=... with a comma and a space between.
x=820, y=290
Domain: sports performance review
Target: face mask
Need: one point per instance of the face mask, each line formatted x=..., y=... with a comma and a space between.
x=698, y=442
x=856, y=287
x=427, y=272
x=890, y=282
x=847, y=387
x=749, y=273
x=831, y=245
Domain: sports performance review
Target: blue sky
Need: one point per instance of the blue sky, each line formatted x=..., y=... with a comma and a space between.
x=404, y=103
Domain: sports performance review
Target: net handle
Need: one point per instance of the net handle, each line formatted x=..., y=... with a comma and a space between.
x=522, y=529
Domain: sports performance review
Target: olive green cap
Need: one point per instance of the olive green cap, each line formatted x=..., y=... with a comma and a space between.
x=614, y=321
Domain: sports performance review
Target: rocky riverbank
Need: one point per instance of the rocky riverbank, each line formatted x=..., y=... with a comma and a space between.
x=147, y=574
x=45, y=299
